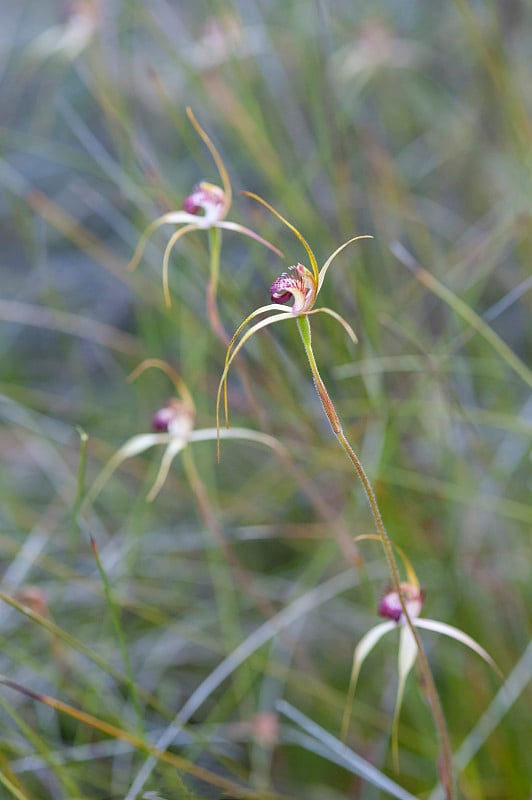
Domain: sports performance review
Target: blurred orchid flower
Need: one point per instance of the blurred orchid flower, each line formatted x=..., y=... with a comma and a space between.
x=377, y=46
x=68, y=39
x=390, y=608
x=204, y=209
x=299, y=286
x=172, y=427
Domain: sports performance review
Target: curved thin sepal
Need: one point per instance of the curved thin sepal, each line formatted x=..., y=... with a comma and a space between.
x=133, y=447
x=180, y=385
x=232, y=352
x=210, y=434
x=260, y=310
x=323, y=270
x=294, y=230
x=334, y=314
x=173, y=449
x=409, y=569
x=173, y=217
x=460, y=636
x=235, y=226
x=166, y=259
x=362, y=651
x=220, y=166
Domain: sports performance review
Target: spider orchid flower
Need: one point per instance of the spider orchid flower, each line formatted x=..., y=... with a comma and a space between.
x=391, y=609
x=173, y=427
x=293, y=295
x=205, y=208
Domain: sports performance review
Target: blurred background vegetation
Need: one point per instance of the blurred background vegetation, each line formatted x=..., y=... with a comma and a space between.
x=408, y=121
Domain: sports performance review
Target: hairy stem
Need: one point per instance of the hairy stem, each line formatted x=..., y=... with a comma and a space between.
x=303, y=323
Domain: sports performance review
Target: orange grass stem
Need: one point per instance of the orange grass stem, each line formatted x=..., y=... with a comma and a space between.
x=179, y=762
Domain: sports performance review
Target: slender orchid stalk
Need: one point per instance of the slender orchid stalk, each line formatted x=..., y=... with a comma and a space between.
x=205, y=208
x=302, y=286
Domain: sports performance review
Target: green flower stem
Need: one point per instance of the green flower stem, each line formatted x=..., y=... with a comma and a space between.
x=215, y=244
x=210, y=520
x=303, y=323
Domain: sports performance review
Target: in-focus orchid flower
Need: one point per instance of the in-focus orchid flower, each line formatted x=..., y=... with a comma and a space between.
x=205, y=208
x=172, y=427
x=299, y=286
x=390, y=608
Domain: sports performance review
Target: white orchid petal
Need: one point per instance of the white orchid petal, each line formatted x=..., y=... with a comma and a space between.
x=211, y=434
x=174, y=448
x=235, y=226
x=456, y=633
x=176, y=217
x=405, y=661
x=407, y=653
x=362, y=651
x=369, y=640
x=133, y=447
x=172, y=217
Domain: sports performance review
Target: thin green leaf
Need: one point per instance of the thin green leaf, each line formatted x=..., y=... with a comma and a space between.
x=340, y=754
x=463, y=310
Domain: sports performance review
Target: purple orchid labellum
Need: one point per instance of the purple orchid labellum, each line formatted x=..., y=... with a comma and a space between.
x=390, y=605
x=167, y=418
x=206, y=197
x=298, y=283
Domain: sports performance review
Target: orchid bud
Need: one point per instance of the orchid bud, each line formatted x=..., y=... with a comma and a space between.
x=163, y=418
x=390, y=605
x=175, y=417
x=208, y=198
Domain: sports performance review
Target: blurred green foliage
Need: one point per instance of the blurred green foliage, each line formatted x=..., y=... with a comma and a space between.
x=410, y=122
